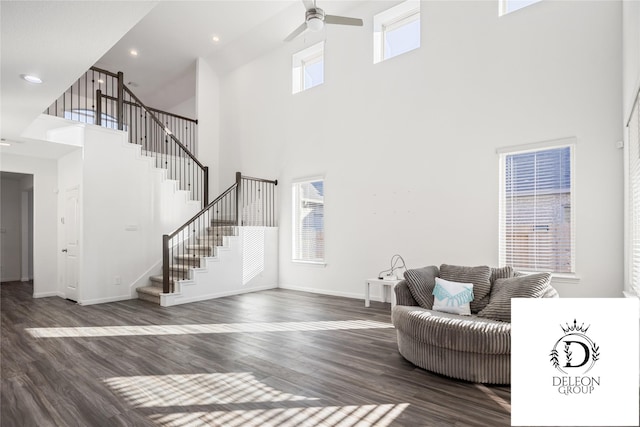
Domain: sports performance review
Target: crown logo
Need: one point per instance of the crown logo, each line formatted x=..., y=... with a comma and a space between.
x=575, y=327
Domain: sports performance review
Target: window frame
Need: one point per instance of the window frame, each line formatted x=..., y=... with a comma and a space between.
x=295, y=221
x=300, y=61
x=632, y=204
x=571, y=143
x=392, y=19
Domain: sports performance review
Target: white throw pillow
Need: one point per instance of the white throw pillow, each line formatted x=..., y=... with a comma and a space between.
x=452, y=297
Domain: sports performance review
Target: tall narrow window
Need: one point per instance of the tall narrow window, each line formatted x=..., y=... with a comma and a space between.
x=308, y=68
x=536, y=209
x=308, y=220
x=396, y=31
x=633, y=200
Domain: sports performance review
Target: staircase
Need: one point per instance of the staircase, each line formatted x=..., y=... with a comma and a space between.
x=190, y=253
x=206, y=245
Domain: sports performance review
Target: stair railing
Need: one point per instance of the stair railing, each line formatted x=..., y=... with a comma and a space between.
x=159, y=142
x=248, y=202
x=101, y=97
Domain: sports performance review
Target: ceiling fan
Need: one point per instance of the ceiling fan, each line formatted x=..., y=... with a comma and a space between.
x=315, y=18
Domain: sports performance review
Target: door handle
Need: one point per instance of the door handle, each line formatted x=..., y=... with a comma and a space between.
x=64, y=250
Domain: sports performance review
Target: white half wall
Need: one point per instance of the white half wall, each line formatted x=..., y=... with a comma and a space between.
x=247, y=262
x=45, y=237
x=408, y=146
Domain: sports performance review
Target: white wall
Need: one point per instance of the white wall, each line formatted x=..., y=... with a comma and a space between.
x=208, y=115
x=127, y=206
x=186, y=108
x=408, y=146
x=45, y=189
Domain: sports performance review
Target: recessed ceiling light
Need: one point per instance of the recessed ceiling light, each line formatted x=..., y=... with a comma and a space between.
x=31, y=78
x=5, y=144
x=101, y=81
x=133, y=52
x=215, y=39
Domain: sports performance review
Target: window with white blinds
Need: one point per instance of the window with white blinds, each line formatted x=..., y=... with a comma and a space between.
x=633, y=198
x=308, y=220
x=536, y=209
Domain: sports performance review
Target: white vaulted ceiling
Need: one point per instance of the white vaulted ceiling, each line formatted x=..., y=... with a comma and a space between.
x=60, y=40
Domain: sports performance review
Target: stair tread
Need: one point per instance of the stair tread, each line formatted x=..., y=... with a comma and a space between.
x=150, y=290
x=159, y=279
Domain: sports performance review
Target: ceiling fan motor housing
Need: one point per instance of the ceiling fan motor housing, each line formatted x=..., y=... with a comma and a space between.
x=316, y=13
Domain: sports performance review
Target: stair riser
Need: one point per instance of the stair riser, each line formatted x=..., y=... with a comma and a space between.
x=149, y=298
x=210, y=241
x=222, y=231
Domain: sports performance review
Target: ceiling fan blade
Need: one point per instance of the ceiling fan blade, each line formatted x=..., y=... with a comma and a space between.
x=309, y=4
x=295, y=33
x=342, y=20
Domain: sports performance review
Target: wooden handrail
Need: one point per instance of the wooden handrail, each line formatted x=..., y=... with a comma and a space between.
x=155, y=119
x=227, y=206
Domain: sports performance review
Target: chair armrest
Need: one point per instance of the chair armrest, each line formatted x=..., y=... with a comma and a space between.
x=403, y=295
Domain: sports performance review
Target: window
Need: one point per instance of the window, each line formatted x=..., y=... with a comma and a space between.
x=308, y=68
x=508, y=6
x=308, y=221
x=633, y=200
x=396, y=31
x=536, y=208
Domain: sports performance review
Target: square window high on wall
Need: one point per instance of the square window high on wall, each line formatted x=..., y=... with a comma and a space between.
x=308, y=220
x=308, y=68
x=537, y=209
x=396, y=31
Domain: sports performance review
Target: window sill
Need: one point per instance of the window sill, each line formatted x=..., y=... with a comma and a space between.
x=559, y=278
x=564, y=279
x=309, y=263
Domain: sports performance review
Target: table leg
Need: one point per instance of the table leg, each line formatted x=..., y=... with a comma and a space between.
x=366, y=294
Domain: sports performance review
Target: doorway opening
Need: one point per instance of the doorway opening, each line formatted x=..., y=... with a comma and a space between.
x=16, y=227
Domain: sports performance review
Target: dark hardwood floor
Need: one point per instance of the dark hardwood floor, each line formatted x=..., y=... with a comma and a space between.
x=273, y=358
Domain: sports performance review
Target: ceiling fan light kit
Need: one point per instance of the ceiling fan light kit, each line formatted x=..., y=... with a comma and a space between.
x=315, y=19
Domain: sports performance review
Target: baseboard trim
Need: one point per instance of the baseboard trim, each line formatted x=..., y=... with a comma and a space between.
x=48, y=294
x=103, y=300
x=168, y=300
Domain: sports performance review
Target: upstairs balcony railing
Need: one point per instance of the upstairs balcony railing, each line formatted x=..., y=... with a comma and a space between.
x=100, y=97
x=248, y=202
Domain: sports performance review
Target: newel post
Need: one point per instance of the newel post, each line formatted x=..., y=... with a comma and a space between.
x=165, y=264
x=238, y=199
x=98, y=118
x=120, y=101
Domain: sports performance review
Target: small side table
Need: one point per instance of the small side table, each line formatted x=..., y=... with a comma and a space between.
x=384, y=283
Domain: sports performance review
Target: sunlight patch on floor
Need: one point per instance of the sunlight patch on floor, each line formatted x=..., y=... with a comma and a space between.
x=334, y=416
x=493, y=396
x=196, y=389
x=215, y=328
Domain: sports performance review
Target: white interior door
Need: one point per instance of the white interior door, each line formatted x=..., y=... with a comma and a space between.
x=71, y=241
